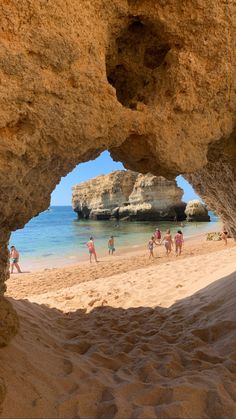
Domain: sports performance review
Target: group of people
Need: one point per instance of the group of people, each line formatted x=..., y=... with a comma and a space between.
x=168, y=241
x=91, y=248
x=155, y=240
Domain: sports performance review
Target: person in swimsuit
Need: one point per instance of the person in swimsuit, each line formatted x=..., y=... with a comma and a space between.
x=14, y=256
x=179, y=240
x=91, y=248
x=111, y=245
x=224, y=236
x=167, y=239
x=151, y=246
x=157, y=236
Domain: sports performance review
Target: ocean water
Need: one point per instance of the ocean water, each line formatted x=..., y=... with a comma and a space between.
x=56, y=237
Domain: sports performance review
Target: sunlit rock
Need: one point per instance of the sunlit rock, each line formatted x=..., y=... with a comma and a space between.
x=196, y=211
x=129, y=195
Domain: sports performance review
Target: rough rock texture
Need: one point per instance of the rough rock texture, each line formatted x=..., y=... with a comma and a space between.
x=153, y=82
x=216, y=182
x=2, y=393
x=126, y=194
x=214, y=236
x=9, y=322
x=196, y=211
x=99, y=197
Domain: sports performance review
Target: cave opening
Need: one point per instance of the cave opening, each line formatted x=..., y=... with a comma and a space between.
x=134, y=61
x=59, y=233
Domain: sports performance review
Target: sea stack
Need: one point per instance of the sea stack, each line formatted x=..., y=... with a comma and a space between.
x=196, y=211
x=128, y=195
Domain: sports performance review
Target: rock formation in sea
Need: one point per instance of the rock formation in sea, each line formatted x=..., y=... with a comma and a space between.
x=124, y=194
x=196, y=211
x=152, y=82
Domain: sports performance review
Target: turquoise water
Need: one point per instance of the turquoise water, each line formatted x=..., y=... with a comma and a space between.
x=56, y=237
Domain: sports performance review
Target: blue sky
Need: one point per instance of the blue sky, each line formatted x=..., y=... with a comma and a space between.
x=102, y=165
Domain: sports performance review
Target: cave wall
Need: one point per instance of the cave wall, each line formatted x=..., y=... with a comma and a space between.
x=152, y=82
x=216, y=182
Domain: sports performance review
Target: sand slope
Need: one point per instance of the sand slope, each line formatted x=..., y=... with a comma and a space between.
x=158, y=341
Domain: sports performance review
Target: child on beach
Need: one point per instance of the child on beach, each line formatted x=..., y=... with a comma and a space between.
x=167, y=239
x=14, y=256
x=151, y=246
x=111, y=245
x=179, y=240
x=91, y=248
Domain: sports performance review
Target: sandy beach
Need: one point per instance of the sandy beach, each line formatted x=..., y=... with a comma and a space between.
x=128, y=337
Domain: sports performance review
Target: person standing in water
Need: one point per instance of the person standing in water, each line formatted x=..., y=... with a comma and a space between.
x=14, y=256
x=111, y=245
x=91, y=248
x=179, y=240
x=167, y=239
x=157, y=235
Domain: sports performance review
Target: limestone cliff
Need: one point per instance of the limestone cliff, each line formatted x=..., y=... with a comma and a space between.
x=196, y=211
x=127, y=194
x=99, y=197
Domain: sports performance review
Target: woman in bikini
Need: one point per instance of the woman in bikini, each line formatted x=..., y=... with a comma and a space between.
x=179, y=240
x=167, y=239
x=91, y=248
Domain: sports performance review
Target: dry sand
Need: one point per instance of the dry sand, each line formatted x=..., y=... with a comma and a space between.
x=126, y=338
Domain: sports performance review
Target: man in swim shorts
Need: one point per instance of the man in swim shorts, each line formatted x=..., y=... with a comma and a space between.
x=111, y=245
x=14, y=257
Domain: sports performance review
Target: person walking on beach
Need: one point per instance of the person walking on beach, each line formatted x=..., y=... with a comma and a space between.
x=111, y=245
x=157, y=235
x=14, y=256
x=224, y=236
x=151, y=246
x=179, y=240
x=167, y=239
x=91, y=248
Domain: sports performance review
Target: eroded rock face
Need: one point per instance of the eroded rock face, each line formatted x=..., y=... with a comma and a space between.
x=9, y=324
x=100, y=197
x=153, y=82
x=216, y=182
x=129, y=195
x=196, y=211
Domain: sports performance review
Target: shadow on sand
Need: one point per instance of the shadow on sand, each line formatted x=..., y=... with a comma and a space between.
x=177, y=362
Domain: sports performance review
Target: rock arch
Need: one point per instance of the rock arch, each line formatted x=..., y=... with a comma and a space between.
x=72, y=85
